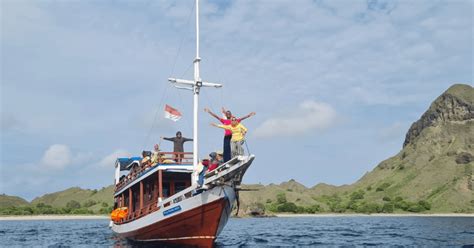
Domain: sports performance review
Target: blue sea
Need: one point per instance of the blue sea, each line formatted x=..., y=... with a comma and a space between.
x=262, y=232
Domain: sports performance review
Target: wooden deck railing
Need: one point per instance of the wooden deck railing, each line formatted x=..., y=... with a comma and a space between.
x=167, y=158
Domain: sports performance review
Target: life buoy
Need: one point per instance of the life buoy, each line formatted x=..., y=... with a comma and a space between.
x=119, y=213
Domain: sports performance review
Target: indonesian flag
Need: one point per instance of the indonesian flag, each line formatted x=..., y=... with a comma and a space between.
x=172, y=113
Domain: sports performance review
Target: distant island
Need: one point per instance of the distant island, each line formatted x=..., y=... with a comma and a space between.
x=431, y=174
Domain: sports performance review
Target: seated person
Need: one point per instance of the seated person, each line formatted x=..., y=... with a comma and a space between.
x=146, y=161
x=214, y=162
x=202, y=168
x=156, y=156
x=122, y=179
x=220, y=157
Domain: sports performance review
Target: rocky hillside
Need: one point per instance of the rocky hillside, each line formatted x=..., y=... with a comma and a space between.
x=432, y=173
x=437, y=160
x=455, y=105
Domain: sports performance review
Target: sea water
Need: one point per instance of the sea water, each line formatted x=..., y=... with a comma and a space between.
x=261, y=232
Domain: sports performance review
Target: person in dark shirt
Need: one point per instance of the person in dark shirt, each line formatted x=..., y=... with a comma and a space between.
x=178, y=147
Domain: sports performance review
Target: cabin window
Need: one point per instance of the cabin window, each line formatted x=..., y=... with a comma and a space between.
x=126, y=200
x=178, y=186
x=136, y=200
x=148, y=192
x=166, y=189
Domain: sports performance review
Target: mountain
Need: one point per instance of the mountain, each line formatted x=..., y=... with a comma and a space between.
x=9, y=201
x=432, y=172
x=436, y=161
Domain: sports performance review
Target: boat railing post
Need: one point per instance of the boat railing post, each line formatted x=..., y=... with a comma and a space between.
x=130, y=201
x=160, y=185
x=141, y=195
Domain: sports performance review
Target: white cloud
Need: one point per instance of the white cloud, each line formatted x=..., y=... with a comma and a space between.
x=308, y=116
x=57, y=156
x=109, y=160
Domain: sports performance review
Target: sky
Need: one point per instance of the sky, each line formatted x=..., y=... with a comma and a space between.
x=335, y=84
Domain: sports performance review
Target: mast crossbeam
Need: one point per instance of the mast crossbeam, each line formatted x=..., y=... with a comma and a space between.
x=195, y=86
x=177, y=83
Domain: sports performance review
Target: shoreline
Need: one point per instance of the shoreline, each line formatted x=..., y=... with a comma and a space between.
x=54, y=217
x=377, y=215
x=280, y=215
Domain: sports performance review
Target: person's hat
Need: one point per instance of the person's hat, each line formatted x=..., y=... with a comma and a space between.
x=212, y=155
x=219, y=152
x=205, y=162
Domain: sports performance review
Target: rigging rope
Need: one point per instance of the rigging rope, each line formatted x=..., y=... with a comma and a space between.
x=166, y=88
x=156, y=116
x=246, y=145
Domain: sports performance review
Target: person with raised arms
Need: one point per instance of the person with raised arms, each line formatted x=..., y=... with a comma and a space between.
x=238, y=136
x=178, y=143
x=228, y=133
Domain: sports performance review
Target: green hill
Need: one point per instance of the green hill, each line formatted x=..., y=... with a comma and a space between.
x=70, y=201
x=93, y=200
x=9, y=201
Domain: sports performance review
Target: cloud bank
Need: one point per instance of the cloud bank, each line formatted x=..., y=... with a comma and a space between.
x=80, y=71
x=57, y=156
x=307, y=117
x=109, y=160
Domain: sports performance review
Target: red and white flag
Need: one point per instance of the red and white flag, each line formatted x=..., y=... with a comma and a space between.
x=172, y=113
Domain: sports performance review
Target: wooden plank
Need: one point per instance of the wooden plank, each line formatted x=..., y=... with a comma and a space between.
x=171, y=187
x=130, y=201
x=155, y=189
x=160, y=184
x=141, y=194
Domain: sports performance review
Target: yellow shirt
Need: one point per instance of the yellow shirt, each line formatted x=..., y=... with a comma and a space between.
x=238, y=132
x=155, y=157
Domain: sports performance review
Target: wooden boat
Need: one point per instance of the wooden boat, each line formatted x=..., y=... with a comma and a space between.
x=163, y=202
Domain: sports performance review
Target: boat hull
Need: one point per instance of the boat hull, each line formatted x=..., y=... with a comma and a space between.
x=195, y=226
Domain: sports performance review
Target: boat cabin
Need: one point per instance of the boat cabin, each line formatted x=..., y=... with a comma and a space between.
x=139, y=187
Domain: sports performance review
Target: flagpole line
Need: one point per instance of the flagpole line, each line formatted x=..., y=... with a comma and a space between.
x=208, y=101
x=248, y=150
x=172, y=71
x=179, y=92
x=186, y=121
x=155, y=117
x=182, y=40
x=222, y=97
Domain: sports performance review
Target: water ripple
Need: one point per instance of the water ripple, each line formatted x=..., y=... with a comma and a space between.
x=268, y=232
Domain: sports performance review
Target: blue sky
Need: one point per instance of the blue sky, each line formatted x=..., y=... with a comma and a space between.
x=335, y=84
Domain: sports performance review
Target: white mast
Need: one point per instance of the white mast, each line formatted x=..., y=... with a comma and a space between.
x=195, y=86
